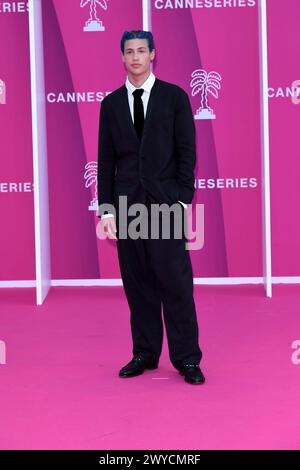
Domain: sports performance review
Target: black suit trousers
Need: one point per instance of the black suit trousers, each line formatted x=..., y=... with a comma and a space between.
x=156, y=274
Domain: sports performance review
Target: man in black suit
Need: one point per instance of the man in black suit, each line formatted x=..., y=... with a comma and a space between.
x=146, y=154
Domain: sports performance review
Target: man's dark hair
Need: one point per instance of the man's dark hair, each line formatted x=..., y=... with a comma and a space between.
x=137, y=34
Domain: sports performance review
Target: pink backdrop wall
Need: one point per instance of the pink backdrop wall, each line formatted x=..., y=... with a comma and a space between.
x=82, y=67
x=225, y=41
x=284, y=100
x=16, y=168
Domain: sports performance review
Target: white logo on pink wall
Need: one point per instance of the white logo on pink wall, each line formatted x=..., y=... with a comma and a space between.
x=205, y=83
x=93, y=23
x=90, y=178
x=2, y=92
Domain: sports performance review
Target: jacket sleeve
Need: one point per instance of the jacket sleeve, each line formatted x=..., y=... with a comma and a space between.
x=106, y=161
x=185, y=147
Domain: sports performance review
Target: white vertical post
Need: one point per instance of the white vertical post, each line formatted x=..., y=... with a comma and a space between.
x=147, y=15
x=265, y=148
x=39, y=148
x=147, y=20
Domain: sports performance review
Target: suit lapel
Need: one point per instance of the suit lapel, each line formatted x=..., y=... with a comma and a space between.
x=127, y=113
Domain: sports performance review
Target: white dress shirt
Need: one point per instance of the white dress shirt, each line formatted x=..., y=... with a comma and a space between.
x=147, y=85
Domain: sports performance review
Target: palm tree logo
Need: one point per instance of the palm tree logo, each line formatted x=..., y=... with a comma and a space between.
x=90, y=177
x=2, y=92
x=205, y=83
x=93, y=23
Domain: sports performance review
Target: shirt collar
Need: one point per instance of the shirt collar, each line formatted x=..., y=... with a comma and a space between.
x=147, y=85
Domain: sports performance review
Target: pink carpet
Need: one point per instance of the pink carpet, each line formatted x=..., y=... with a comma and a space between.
x=60, y=389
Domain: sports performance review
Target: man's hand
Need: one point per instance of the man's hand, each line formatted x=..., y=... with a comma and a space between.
x=109, y=226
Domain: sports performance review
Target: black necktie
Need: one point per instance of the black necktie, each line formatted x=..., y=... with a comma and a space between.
x=138, y=112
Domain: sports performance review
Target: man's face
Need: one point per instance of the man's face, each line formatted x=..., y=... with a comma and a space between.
x=137, y=56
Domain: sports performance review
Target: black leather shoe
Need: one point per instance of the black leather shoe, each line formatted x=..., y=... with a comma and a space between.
x=192, y=374
x=136, y=366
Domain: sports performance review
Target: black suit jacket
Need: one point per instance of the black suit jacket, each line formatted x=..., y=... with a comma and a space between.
x=161, y=165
